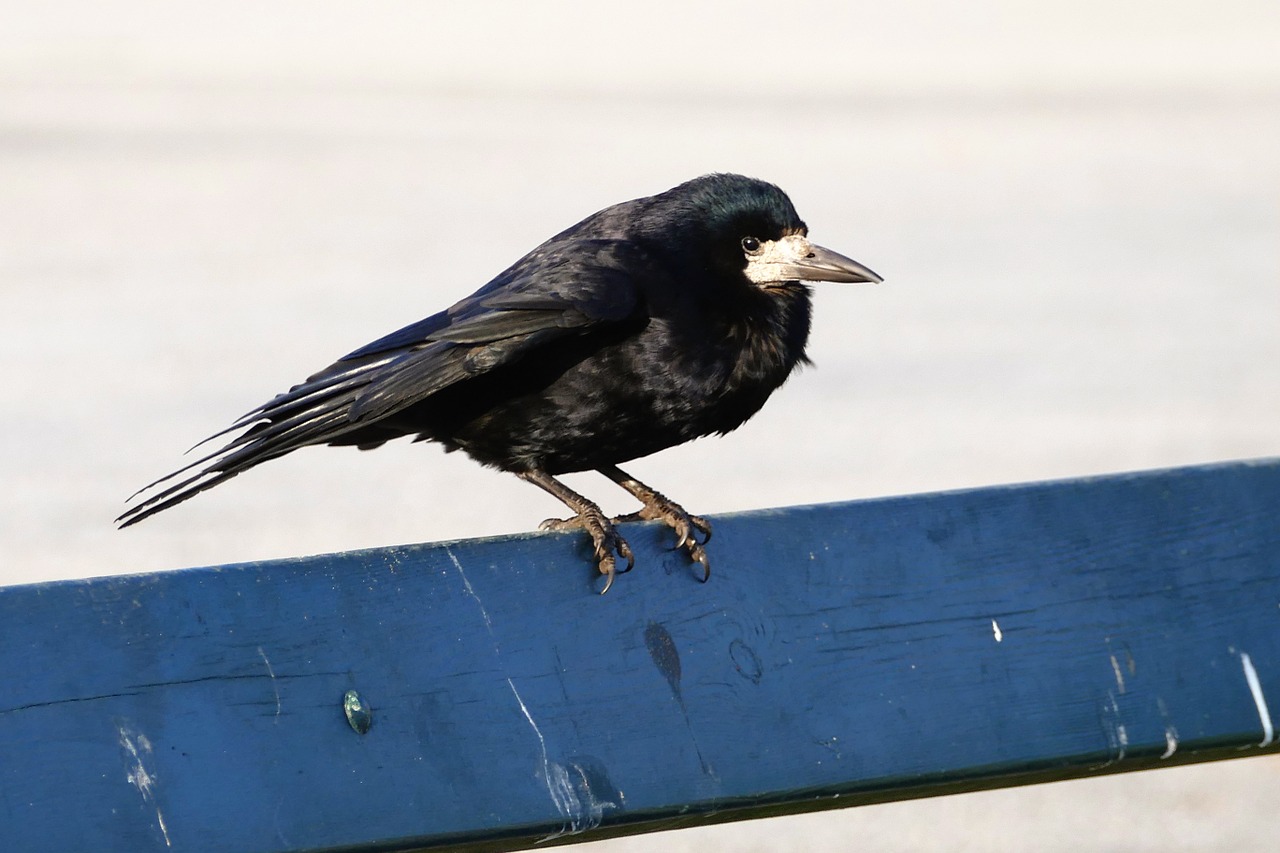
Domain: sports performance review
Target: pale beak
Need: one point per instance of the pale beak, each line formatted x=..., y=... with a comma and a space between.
x=825, y=265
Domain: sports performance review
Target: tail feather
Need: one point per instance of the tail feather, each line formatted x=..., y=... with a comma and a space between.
x=318, y=387
x=313, y=412
x=340, y=405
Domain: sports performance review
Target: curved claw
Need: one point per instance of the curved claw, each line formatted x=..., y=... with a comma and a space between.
x=683, y=524
x=686, y=527
x=685, y=531
x=611, y=543
x=698, y=554
x=689, y=541
x=625, y=550
x=607, y=543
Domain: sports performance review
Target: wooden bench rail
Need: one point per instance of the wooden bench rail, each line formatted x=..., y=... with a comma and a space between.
x=840, y=654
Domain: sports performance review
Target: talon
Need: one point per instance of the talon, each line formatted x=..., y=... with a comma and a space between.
x=607, y=545
x=657, y=507
x=698, y=554
x=684, y=537
x=687, y=541
x=604, y=564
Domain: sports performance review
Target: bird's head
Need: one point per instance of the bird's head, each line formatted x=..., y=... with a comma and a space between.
x=749, y=228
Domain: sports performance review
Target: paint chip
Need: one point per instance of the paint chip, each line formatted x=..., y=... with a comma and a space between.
x=1115, y=667
x=138, y=751
x=1255, y=687
x=1170, y=741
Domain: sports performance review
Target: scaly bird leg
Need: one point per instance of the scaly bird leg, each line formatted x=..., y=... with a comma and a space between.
x=658, y=507
x=590, y=518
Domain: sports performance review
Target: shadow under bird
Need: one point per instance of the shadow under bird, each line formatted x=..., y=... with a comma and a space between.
x=650, y=323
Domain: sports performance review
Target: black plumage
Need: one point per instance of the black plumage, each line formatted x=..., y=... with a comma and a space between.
x=645, y=325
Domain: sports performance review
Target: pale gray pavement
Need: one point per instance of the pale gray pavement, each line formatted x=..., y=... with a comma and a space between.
x=1076, y=207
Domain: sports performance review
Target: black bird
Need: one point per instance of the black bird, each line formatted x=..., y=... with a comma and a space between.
x=645, y=325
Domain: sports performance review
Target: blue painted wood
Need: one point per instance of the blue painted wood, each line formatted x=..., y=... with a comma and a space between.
x=840, y=654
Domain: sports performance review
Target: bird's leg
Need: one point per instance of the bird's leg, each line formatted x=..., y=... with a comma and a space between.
x=590, y=518
x=658, y=507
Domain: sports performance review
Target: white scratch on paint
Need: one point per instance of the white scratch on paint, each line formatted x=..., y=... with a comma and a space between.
x=995, y=630
x=137, y=746
x=561, y=790
x=1170, y=741
x=470, y=590
x=1115, y=667
x=1117, y=734
x=271, y=673
x=1170, y=730
x=1255, y=687
x=559, y=786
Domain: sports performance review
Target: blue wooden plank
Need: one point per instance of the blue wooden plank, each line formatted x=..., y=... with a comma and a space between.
x=840, y=654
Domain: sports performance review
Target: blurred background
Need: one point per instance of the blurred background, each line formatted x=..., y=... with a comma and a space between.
x=1075, y=206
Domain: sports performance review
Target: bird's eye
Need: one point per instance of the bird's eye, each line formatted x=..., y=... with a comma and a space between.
x=750, y=245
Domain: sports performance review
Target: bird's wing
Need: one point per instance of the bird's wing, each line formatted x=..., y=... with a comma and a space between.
x=567, y=289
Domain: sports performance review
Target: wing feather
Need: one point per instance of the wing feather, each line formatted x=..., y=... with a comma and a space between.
x=557, y=290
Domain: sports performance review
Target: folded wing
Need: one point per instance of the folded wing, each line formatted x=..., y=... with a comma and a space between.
x=566, y=289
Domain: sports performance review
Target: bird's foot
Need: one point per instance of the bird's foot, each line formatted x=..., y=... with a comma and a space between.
x=608, y=544
x=658, y=507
